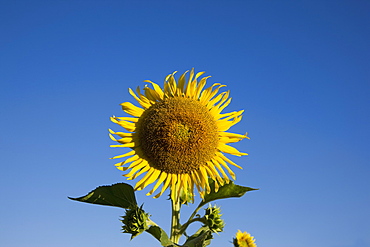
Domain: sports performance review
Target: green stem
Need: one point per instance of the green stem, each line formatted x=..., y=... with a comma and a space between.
x=175, y=222
x=191, y=219
x=201, y=204
x=185, y=226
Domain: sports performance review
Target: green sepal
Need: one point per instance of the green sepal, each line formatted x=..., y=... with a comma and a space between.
x=160, y=235
x=225, y=191
x=201, y=238
x=117, y=195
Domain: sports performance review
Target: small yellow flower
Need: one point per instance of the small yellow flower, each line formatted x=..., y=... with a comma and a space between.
x=244, y=239
x=178, y=136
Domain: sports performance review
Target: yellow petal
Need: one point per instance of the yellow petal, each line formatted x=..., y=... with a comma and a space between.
x=230, y=150
x=226, y=178
x=165, y=186
x=223, y=163
x=158, y=90
x=181, y=82
x=204, y=176
x=196, y=180
x=129, y=119
x=233, y=135
x=143, y=102
x=124, y=155
x=121, y=134
x=217, y=109
x=224, y=124
x=133, y=158
x=215, y=172
x=174, y=194
x=143, y=98
x=135, y=167
x=122, y=140
x=209, y=93
x=228, y=160
x=161, y=178
x=200, y=86
x=127, y=145
x=230, y=115
x=131, y=109
x=216, y=99
x=145, y=168
x=151, y=178
x=140, y=185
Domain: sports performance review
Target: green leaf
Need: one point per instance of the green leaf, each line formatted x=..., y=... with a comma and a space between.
x=226, y=191
x=201, y=238
x=160, y=235
x=117, y=195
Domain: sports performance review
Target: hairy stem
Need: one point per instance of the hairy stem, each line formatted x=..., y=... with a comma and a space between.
x=175, y=222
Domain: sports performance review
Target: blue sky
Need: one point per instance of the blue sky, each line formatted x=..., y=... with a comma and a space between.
x=300, y=69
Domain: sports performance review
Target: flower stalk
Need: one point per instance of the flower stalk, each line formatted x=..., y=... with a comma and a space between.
x=175, y=221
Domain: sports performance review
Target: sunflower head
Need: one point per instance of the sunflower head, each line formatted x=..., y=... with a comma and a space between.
x=178, y=136
x=244, y=239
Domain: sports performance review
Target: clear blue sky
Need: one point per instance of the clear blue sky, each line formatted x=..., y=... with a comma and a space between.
x=299, y=68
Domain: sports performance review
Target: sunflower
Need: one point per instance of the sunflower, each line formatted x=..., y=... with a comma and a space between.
x=178, y=136
x=244, y=239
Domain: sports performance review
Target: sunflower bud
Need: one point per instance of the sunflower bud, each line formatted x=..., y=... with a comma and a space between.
x=135, y=221
x=213, y=219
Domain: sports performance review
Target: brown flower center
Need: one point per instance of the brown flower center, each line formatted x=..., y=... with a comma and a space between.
x=177, y=135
